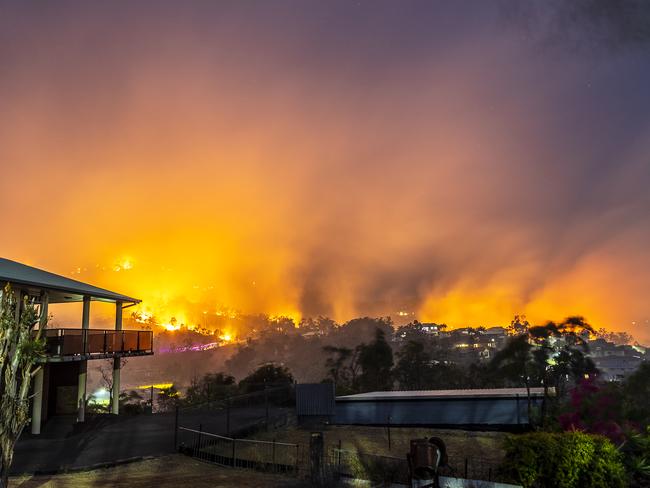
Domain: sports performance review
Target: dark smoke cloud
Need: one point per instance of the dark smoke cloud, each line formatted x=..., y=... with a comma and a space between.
x=335, y=158
x=583, y=24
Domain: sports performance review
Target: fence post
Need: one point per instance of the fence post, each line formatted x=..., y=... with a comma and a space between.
x=273, y=456
x=266, y=402
x=465, y=468
x=228, y=417
x=233, y=453
x=297, y=457
x=316, y=458
x=176, y=429
x=389, y=432
x=338, y=461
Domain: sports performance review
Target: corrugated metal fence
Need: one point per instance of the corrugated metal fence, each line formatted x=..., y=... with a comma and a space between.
x=315, y=399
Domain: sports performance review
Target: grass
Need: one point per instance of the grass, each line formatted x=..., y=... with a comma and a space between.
x=461, y=444
x=164, y=472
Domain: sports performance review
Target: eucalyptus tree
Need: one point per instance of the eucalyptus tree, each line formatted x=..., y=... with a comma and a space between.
x=376, y=361
x=552, y=354
x=20, y=348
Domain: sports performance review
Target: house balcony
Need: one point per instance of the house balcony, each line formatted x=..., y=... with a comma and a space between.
x=67, y=344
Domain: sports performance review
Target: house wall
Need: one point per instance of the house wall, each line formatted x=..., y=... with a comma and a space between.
x=61, y=386
x=435, y=412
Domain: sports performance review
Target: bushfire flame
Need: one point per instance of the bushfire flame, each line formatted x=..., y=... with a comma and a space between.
x=211, y=159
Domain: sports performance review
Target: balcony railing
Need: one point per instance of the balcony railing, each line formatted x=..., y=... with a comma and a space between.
x=88, y=342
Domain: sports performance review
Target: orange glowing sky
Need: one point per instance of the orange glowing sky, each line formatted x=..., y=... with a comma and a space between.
x=340, y=159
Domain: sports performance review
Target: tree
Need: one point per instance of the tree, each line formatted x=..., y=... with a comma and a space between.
x=618, y=338
x=168, y=399
x=336, y=363
x=637, y=395
x=518, y=325
x=20, y=350
x=212, y=386
x=376, y=360
x=547, y=355
x=360, y=330
x=413, y=369
x=267, y=375
x=343, y=368
x=132, y=402
x=106, y=372
x=514, y=363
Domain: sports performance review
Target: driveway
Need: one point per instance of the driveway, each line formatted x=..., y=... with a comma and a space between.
x=102, y=439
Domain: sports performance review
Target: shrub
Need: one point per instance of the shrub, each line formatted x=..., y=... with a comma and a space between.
x=563, y=460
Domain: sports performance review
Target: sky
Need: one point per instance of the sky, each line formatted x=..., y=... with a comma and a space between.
x=461, y=161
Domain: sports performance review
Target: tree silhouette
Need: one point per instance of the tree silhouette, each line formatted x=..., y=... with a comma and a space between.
x=376, y=361
x=413, y=366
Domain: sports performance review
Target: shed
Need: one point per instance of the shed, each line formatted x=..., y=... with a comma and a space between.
x=478, y=408
x=315, y=402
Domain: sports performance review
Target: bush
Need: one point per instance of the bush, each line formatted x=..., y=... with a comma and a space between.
x=563, y=460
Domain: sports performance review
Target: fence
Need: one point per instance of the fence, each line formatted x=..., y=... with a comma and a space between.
x=354, y=464
x=72, y=342
x=472, y=468
x=239, y=414
x=277, y=457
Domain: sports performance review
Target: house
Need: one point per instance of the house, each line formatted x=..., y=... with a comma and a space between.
x=617, y=368
x=430, y=328
x=59, y=387
x=616, y=361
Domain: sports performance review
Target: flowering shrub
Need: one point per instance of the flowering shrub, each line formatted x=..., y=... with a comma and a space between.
x=596, y=408
x=563, y=460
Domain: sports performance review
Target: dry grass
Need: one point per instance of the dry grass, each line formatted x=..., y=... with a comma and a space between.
x=164, y=472
x=374, y=440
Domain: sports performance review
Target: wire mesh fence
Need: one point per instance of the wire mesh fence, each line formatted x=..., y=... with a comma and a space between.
x=337, y=463
x=272, y=456
x=239, y=414
x=342, y=463
x=354, y=464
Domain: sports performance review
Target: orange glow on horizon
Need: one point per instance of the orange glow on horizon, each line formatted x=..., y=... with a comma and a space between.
x=425, y=176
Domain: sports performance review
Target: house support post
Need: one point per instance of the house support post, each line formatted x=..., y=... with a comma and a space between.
x=37, y=405
x=37, y=402
x=83, y=365
x=115, y=394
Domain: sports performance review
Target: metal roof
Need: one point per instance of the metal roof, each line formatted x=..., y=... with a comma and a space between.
x=444, y=394
x=61, y=289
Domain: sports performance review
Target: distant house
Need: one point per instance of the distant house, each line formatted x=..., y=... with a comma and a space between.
x=500, y=408
x=614, y=361
x=496, y=331
x=465, y=330
x=617, y=368
x=60, y=385
x=430, y=328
